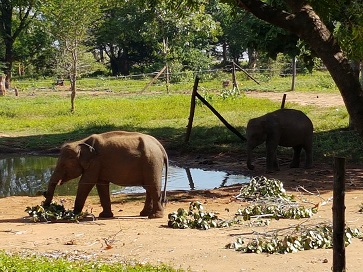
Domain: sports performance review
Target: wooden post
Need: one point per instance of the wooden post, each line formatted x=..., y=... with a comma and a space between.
x=192, y=109
x=2, y=85
x=283, y=101
x=339, y=215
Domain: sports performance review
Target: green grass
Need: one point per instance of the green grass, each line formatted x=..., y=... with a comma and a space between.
x=42, y=120
x=19, y=263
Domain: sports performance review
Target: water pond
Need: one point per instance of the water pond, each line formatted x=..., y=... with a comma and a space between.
x=29, y=175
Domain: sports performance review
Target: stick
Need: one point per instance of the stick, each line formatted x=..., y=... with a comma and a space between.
x=155, y=78
x=231, y=128
x=247, y=73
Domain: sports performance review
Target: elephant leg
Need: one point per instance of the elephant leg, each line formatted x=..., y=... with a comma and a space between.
x=276, y=165
x=308, y=157
x=82, y=193
x=148, y=204
x=158, y=209
x=271, y=157
x=103, y=189
x=296, y=157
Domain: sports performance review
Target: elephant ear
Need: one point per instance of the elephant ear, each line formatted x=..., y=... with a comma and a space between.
x=86, y=153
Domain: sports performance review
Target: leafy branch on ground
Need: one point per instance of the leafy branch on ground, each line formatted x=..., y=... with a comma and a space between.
x=54, y=212
x=270, y=198
x=269, y=201
x=320, y=236
x=264, y=188
x=196, y=218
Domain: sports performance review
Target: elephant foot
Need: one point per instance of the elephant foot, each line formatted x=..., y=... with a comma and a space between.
x=105, y=215
x=158, y=214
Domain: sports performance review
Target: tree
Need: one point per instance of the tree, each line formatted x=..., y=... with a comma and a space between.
x=303, y=20
x=10, y=29
x=34, y=53
x=124, y=35
x=139, y=33
x=70, y=21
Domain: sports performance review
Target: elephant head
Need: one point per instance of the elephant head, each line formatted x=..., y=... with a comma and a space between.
x=256, y=135
x=74, y=158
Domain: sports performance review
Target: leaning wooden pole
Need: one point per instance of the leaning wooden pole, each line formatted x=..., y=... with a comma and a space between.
x=154, y=78
x=339, y=215
x=192, y=109
x=231, y=128
x=244, y=71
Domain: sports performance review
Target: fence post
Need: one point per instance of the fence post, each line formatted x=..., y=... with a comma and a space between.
x=192, y=109
x=283, y=101
x=339, y=215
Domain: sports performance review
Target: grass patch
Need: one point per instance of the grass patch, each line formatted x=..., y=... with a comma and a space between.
x=42, y=120
x=33, y=263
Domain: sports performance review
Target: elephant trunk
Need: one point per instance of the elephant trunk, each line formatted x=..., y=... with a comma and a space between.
x=250, y=166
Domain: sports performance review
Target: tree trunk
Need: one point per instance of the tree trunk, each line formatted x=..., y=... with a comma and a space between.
x=224, y=53
x=119, y=62
x=6, y=30
x=306, y=24
x=293, y=81
x=73, y=77
x=252, y=58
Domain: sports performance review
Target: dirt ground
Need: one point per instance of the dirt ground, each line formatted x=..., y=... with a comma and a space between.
x=137, y=239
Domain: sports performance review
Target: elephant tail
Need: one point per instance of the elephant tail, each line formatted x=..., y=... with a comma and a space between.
x=166, y=165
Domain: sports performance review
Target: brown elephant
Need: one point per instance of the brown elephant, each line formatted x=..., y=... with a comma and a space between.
x=284, y=127
x=123, y=158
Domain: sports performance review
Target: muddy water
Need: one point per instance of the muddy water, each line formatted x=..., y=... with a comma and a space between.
x=28, y=176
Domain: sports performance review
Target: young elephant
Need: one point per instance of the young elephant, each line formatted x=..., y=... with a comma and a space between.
x=284, y=127
x=123, y=158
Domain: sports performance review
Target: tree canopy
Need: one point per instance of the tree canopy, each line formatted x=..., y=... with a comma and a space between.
x=136, y=36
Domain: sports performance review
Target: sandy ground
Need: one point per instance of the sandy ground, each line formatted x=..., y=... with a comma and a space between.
x=137, y=239
x=303, y=98
x=134, y=238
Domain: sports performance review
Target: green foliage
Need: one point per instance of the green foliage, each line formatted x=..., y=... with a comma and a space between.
x=259, y=188
x=264, y=188
x=270, y=200
x=54, y=212
x=302, y=238
x=276, y=211
x=195, y=218
x=33, y=263
x=320, y=236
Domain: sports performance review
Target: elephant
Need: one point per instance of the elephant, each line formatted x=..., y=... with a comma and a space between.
x=283, y=127
x=121, y=157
